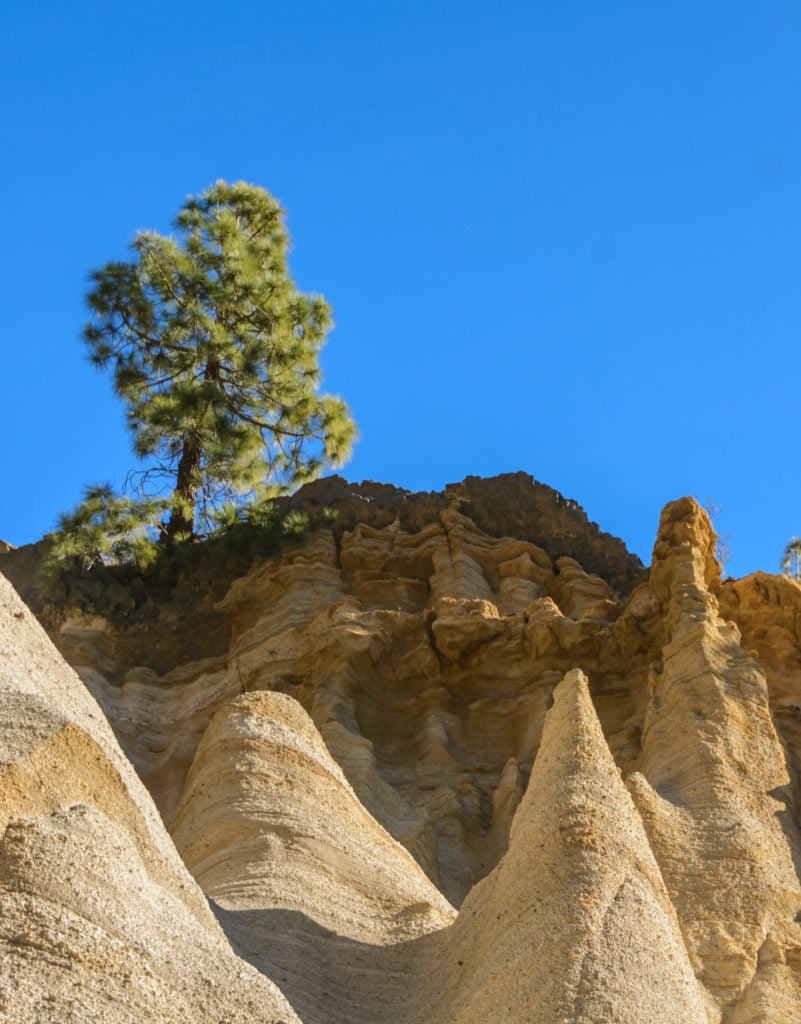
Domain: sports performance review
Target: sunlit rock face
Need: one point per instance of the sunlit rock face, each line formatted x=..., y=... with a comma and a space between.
x=451, y=758
x=99, y=918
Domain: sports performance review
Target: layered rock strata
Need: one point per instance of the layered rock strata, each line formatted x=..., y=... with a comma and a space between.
x=384, y=725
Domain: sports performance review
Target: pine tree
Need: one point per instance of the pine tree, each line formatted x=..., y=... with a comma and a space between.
x=215, y=353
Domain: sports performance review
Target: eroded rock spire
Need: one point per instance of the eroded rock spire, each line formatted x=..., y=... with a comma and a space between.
x=574, y=924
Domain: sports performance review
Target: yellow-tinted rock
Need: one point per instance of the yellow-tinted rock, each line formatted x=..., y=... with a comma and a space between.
x=99, y=919
x=714, y=782
x=574, y=924
x=425, y=651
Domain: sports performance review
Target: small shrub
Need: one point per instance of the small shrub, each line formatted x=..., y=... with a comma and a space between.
x=295, y=525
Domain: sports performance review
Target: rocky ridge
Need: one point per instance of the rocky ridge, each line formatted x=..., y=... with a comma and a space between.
x=453, y=757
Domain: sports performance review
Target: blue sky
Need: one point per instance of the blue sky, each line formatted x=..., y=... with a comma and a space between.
x=557, y=237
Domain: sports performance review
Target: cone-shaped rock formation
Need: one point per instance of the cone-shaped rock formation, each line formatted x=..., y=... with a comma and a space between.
x=311, y=887
x=575, y=923
x=99, y=919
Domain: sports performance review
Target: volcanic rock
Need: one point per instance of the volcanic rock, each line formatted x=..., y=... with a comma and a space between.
x=452, y=757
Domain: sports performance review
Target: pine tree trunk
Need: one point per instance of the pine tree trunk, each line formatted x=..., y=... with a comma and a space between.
x=182, y=517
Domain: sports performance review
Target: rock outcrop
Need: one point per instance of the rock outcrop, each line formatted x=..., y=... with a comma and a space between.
x=99, y=918
x=575, y=923
x=453, y=757
x=311, y=887
x=714, y=782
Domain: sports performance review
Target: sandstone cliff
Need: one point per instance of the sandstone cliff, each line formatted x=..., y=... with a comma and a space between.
x=453, y=757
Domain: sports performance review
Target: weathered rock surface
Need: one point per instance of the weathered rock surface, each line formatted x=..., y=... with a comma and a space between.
x=311, y=887
x=398, y=757
x=99, y=919
x=575, y=923
x=714, y=783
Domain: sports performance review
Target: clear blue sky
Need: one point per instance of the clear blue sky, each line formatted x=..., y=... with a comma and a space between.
x=563, y=237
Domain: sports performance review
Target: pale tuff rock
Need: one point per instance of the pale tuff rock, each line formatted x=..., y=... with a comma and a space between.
x=715, y=802
x=268, y=820
x=774, y=993
x=86, y=934
x=311, y=887
x=56, y=748
x=767, y=610
x=341, y=740
x=433, y=690
x=99, y=919
x=574, y=924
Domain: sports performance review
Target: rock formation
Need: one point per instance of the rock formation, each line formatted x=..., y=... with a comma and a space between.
x=452, y=758
x=574, y=923
x=99, y=919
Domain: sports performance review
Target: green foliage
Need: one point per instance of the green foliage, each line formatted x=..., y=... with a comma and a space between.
x=791, y=559
x=295, y=525
x=215, y=354
x=256, y=526
x=262, y=516
x=104, y=529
